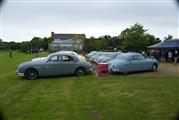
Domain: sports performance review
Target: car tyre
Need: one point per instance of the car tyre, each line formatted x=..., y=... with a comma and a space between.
x=125, y=73
x=80, y=71
x=154, y=68
x=31, y=74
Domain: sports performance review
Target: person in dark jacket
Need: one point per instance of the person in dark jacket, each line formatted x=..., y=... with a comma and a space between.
x=10, y=53
x=166, y=56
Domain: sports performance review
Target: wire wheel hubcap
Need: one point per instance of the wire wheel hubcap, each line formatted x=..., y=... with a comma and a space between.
x=80, y=72
x=154, y=68
x=32, y=74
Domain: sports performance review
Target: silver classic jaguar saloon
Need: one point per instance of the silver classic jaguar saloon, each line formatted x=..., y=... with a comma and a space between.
x=55, y=64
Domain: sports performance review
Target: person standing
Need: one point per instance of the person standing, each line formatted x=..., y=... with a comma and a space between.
x=10, y=53
x=166, y=56
x=175, y=56
x=170, y=55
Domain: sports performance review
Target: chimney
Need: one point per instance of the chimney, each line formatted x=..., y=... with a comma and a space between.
x=52, y=33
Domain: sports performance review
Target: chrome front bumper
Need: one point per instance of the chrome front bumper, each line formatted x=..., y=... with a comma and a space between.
x=20, y=74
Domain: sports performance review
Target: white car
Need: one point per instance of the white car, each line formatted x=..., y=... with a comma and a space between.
x=74, y=53
x=94, y=57
x=91, y=53
x=107, y=57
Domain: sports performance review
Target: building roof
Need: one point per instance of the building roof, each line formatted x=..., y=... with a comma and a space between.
x=67, y=36
x=67, y=41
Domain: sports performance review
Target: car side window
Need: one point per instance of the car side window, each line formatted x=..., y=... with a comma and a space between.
x=137, y=57
x=54, y=58
x=134, y=57
x=66, y=58
x=140, y=57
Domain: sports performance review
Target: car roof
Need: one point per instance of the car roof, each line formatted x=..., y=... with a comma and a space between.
x=69, y=52
x=112, y=52
x=62, y=53
x=129, y=54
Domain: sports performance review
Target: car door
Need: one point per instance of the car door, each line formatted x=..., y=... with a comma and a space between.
x=134, y=63
x=142, y=65
x=147, y=64
x=52, y=66
x=67, y=64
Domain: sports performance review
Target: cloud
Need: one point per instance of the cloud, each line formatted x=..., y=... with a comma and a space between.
x=93, y=18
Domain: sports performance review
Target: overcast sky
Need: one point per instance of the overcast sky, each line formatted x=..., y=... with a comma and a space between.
x=23, y=19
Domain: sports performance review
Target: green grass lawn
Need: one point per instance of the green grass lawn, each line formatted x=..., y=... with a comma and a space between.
x=116, y=97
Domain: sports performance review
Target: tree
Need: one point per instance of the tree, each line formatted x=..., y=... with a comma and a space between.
x=36, y=43
x=96, y=43
x=9, y=45
x=24, y=46
x=135, y=38
x=45, y=42
x=114, y=42
x=75, y=39
x=3, y=45
x=90, y=44
x=168, y=37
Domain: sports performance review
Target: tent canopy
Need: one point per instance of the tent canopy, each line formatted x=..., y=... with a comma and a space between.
x=170, y=44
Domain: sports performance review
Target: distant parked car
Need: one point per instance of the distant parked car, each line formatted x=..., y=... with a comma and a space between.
x=90, y=54
x=131, y=62
x=107, y=57
x=94, y=57
x=74, y=53
x=98, y=56
x=55, y=64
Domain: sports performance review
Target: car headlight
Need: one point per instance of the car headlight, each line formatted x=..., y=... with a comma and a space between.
x=21, y=70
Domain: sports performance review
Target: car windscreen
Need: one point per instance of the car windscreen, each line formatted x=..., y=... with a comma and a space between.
x=44, y=58
x=48, y=57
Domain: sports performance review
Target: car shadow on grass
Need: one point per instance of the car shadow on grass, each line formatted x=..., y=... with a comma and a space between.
x=58, y=77
x=133, y=73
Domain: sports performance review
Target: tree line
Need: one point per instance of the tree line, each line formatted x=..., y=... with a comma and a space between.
x=134, y=38
x=35, y=44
